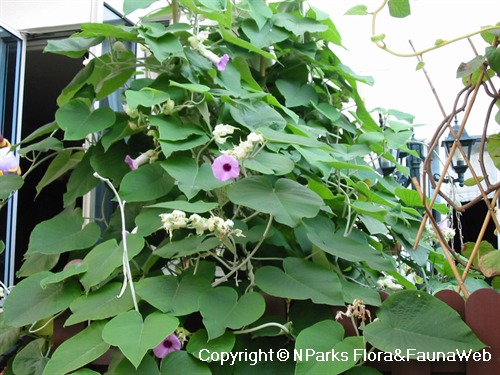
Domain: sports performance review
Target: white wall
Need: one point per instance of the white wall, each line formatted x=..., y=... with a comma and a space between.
x=28, y=15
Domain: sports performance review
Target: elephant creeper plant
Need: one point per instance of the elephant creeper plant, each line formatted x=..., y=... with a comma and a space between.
x=238, y=179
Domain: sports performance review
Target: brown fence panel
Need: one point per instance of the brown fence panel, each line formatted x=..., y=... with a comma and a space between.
x=482, y=316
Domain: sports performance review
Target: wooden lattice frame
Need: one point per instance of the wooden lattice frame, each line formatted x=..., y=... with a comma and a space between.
x=464, y=103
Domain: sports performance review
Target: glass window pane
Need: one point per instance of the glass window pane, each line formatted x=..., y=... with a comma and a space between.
x=11, y=51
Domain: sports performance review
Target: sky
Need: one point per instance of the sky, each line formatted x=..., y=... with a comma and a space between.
x=397, y=83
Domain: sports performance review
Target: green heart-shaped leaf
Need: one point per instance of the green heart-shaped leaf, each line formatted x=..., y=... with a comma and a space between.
x=326, y=336
x=287, y=200
x=100, y=304
x=103, y=259
x=170, y=295
x=28, y=302
x=77, y=120
x=146, y=183
x=77, y=351
x=62, y=233
x=415, y=320
x=190, y=177
x=134, y=336
x=301, y=280
x=221, y=309
x=31, y=359
x=9, y=183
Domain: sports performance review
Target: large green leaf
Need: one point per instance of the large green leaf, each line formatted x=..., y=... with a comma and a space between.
x=199, y=341
x=62, y=163
x=78, y=81
x=172, y=129
x=414, y=321
x=164, y=46
x=298, y=25
x=100, y=304
x=81, y=180
x=8, y=335
x=134, y=336
x=266, y=36
x=182, y=360
x=77, y=351
x=103, y=259
x=260, y=12
x=489, y=264
x=131, y=5
x=193, y=207
x=187, y=246
x=111, y=73
x=44, y=145
x=270, y=163
x=77, y=120
x=222, y=309
x=28, y=302
x=36, y=263
x=301, y=279
x=296, y=94
x=107, y=30
x=171, y=295
x=287, y=200
x=258, y=113
x=72, y=47
x=146, y=183
x=64, y=232
x=148, y=366
x=68, y=271
x=231, y=38
x=193, y=141
x=146, y=97
x=322, y=349
x=190, y=177
x=31, y=359
x=467, y=68
x=10, y=183
x=354, y=248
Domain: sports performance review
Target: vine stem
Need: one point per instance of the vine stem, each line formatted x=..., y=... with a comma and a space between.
x=383, y=46
x=127, y=273
x=249, y=256
x=265, y=325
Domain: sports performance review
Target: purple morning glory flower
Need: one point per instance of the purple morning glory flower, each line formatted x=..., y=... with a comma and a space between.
x=138, y=161
x=225, y=167
x=168, y=345
x=221, y=65
x=219, y=62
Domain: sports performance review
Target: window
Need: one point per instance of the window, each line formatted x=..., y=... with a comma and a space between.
x=12, y=51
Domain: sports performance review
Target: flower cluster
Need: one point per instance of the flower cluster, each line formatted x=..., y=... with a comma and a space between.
x=196, y=42
x=245, y=148
x=447, y=233
x=226, y=167
x=388, y=282
x=356, y=310
x=221, y=132
x=177, y=219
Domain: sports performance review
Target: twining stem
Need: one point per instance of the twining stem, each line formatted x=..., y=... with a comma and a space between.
x=248, y=258
x=382, y=45
x=127, y=273
x=265, y=325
